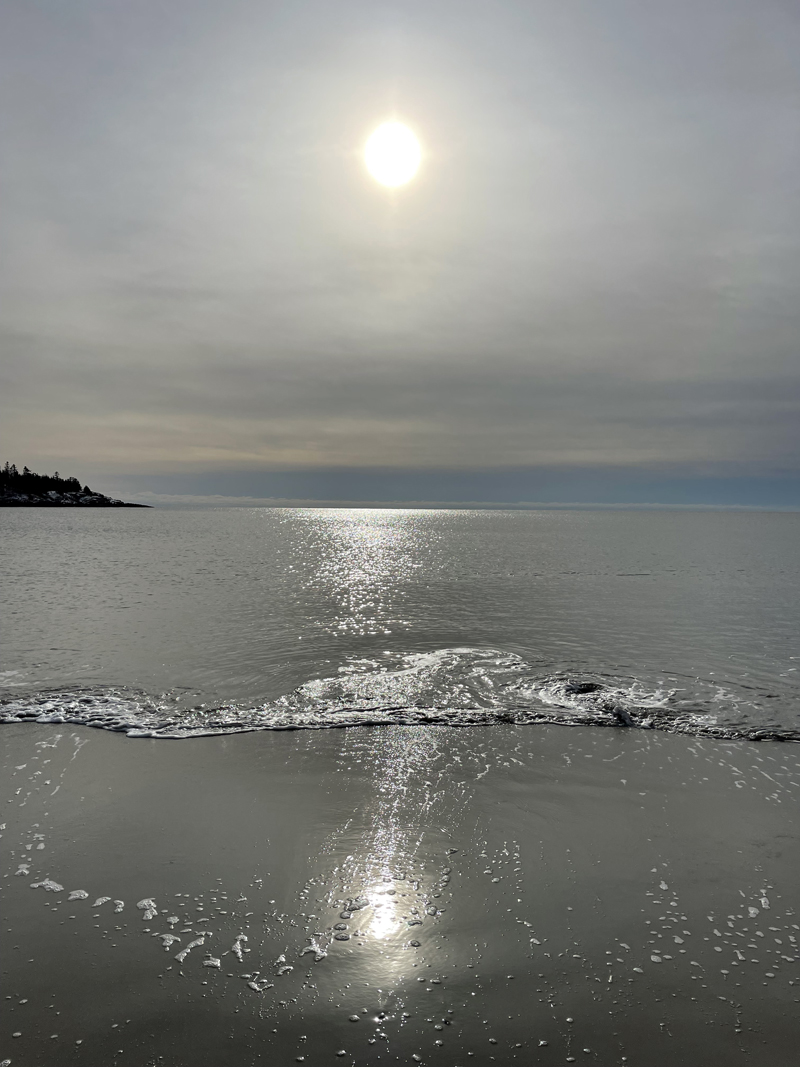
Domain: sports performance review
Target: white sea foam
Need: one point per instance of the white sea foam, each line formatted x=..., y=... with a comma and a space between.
x=167, y=940
x=49, y=885
x=181, y=956
x=149, y=908
x=454, y=686
x=260, y=985
x=314, y=947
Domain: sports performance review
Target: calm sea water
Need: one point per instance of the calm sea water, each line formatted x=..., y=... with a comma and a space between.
x=178, y=622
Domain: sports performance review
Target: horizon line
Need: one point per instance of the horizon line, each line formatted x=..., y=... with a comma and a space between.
x=219, y=500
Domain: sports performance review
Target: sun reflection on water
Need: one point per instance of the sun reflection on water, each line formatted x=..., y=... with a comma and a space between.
x=365, y=559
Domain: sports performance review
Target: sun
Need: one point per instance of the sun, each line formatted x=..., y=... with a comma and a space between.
x=392, y=154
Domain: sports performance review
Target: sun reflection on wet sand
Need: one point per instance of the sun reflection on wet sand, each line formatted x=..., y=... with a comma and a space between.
x=393, y=862
x=384, y=921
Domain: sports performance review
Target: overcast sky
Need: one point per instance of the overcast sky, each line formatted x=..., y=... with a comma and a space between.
x=595, y=274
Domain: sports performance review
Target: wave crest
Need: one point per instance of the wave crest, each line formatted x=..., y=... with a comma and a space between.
x=448, y=687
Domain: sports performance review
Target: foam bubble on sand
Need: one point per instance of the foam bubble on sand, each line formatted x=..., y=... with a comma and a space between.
x=49, y=885
x=101, y=900
x=78, y=894
x=314, y=946
x=167, y=940
x=119, y=905
x=260, y=985
x=181, y=956
x=24, y=868
x=236, y=947
x=149, y=908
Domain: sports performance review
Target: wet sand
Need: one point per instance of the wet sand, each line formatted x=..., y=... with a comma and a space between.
x=531, y=895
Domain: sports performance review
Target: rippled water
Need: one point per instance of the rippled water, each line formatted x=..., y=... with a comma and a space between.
x=180, y=622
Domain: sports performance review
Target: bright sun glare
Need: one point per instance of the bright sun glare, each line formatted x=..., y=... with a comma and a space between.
x=392, y=154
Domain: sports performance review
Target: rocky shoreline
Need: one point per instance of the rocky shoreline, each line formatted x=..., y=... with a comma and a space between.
x=63, y=500
x=26, y=489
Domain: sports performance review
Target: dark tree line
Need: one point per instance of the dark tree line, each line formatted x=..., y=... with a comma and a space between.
x=25, y=481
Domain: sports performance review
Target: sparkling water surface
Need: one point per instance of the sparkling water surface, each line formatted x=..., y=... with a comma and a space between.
x=185, y=621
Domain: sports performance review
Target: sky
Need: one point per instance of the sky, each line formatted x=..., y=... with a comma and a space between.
x=588, y=292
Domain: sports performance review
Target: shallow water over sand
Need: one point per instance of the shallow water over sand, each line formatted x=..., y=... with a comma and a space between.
x=495, y=895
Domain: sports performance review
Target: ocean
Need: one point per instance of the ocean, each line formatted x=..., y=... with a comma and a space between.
x=178, y=622
x=559, y=827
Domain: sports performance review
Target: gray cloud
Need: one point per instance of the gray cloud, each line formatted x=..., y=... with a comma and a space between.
x=596, y=266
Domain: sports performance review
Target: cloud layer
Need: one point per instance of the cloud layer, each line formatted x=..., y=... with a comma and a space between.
x=596, y=267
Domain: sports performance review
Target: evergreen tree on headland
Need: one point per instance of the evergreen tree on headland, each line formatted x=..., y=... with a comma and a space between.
x=28, y=489
x=11, y=480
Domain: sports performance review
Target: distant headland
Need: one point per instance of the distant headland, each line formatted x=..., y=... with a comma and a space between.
x=24, y=489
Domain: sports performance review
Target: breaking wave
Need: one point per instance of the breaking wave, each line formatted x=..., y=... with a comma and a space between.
x=448, y=687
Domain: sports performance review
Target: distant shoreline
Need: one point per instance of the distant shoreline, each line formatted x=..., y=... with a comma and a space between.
x=106, y=502
x=26, y=489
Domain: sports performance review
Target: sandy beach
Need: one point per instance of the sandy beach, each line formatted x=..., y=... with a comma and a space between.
x=537, y=895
